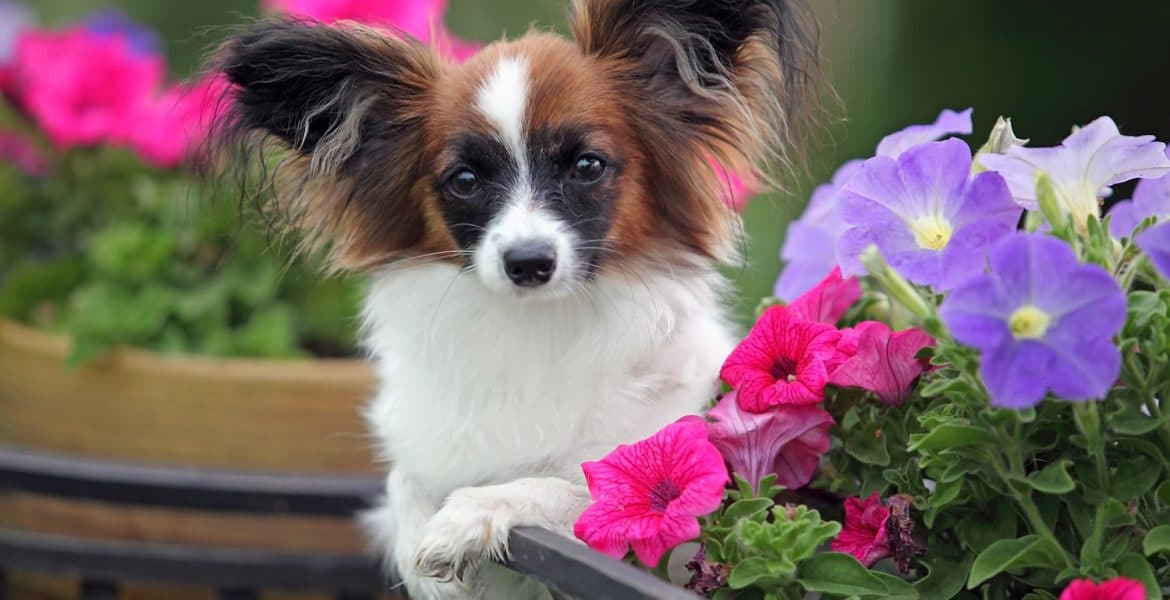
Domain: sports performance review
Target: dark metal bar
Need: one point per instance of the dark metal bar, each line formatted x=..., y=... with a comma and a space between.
x=109, y=560
x=238, y=594
x=92, y=589
x=79, y=477
x=571, y=568
x=3, y=584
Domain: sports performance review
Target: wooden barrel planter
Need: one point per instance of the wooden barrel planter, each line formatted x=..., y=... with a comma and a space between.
x=140, y=408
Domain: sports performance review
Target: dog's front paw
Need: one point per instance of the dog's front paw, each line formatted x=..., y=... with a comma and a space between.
x=470, y=528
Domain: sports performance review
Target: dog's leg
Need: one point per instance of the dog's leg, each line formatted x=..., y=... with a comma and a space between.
x=474, y=522
x=396, y=528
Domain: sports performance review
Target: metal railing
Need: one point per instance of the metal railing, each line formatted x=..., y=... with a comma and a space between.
x=237, y=574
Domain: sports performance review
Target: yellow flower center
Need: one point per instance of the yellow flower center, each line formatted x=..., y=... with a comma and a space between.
x=1029, y=322
x=932, y=232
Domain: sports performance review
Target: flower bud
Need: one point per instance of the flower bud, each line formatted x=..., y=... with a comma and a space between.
x=894, y=284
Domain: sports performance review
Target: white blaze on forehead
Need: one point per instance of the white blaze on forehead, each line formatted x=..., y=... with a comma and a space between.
x=502, y=99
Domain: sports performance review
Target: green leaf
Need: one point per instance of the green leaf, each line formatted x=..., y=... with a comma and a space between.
x=1136, y=567
x=950, y=436
x=748, y=572
x=1053, y=479
x=1130, y=420
x=1157, y=541
x=869, y=445
x=1134, y=477
x=1004, y=555
x=947, y=386
x=945, y=579
x=744, y=508
x=841, y=574
x=1163, y=494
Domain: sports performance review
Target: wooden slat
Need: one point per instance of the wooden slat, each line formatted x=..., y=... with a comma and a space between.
x=102, y=560
x=77, y=477
x=97, y=589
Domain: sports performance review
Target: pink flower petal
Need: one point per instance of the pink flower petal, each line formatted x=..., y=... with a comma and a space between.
x=884, y=362
x=783, y=360
x=864, y=535
x=649, y=495
x=788, y=440
x=1118, y=588
x=829, y=300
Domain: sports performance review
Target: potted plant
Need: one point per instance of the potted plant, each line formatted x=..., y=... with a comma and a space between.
x=965, y=370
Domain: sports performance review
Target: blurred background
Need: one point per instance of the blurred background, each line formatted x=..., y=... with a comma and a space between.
x=892, y=63
x=140, y=320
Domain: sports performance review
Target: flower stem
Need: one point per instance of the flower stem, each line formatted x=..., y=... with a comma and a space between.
x=1024, y=500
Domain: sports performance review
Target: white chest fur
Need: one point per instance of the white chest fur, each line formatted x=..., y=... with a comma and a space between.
x=480, y=388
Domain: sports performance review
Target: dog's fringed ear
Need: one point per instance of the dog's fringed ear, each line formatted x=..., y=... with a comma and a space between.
x=741, y=73
x=331, y=117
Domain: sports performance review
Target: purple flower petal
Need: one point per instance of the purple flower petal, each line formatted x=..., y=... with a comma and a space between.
x=13, y=18
x=1155, y=242
x=810, y=247
x=948, y=123
x=1151, y=198
x=110, y=22
x=914, y=208
x=1068, y=311
x=1082, y=167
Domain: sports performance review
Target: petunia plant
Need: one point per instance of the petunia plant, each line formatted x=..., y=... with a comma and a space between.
x=958, y=392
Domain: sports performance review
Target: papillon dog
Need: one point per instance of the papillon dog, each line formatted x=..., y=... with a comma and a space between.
x=541, y=227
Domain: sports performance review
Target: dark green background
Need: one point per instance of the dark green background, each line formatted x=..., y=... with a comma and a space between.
x=1048, y=65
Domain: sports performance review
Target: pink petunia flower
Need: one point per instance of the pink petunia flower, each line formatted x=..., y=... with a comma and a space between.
x=865, y=534
x=648, y=496
x=81, y=87
x=422, y=19
x=171, y=126
x=1118, y=588
x=788, y=440
x=829, y=300
x=783, y=360
x=737, y=188
x=881, y=360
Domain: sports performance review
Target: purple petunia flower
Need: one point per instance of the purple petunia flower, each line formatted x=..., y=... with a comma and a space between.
x=810, y=247
x=143, y=40
x=1155, y=241
x=1082, y=167
x=1042, y=321
x=1151, y=198
x=930, y=219
x=948, y=123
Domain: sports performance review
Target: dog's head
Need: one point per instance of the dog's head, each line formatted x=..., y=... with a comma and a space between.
x=539, y=162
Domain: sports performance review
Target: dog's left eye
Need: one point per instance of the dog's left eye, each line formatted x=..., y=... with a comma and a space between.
x=588, y=169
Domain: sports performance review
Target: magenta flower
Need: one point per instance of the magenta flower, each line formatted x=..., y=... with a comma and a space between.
x=883, y=361
x=1082, y=167
x=648, y=496
x=737, y=188
x=828, y=301
x=422, y=19
x=788, y=441
x=931, y=220
x=865, y=534
x=810, y=248
x=1042, y=321
x=82, y=87
x=1155, y=241
x=1118, y=588
x=171, y=126
x=1151, y=198
x=783, y=360
x=947, y=124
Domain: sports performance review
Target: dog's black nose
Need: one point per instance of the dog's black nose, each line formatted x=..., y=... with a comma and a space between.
x=530, y=264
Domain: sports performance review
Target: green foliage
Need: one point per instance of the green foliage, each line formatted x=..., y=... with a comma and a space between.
x=112, y=253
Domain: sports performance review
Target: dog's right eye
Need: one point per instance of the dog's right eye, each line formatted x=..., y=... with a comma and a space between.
x=464, y=183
